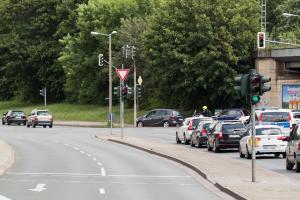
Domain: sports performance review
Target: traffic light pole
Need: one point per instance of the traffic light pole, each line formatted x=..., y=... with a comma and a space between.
x=253, y=141
x=134, y=95
x=45, y=97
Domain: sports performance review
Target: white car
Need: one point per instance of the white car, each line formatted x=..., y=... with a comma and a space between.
x=185, y=131
x=295, y=117
x=269, y=140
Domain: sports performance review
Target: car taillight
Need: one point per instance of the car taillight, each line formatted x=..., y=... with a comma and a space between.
x=23, y=117
x=220, y=135
x=258, y=139
x=35, y=118
x=203, y=132
x=190, y=127
x=8, y=117
x=260, y=118
x=51, y=118
x=299, y=146
x=281, y=137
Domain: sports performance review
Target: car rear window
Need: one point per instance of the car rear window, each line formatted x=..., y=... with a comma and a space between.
x=232, y=112
x=17, y=113
x=176, y=113
x=195, y=122
x=206, y=125
x=275, y=117
x=296, y=115
x=43, y=113
x=233, y=127
x=268, y=131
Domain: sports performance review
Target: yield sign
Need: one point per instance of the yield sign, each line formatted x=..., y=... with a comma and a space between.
x=122, y=73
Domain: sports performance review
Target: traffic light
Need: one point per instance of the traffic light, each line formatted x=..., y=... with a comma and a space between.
x=124, y=92
x=42, y=92
x=242, y=84
x=133, y=50
x=261, y=40
x=264, y=88
x=117, y=90
x=129, y=90
x=254, y=85
x=139, y=90
x=101, y=60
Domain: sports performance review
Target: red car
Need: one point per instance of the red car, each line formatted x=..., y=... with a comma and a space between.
x=14, y=117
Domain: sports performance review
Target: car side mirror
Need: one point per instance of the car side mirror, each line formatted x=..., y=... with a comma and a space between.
x=288, y=138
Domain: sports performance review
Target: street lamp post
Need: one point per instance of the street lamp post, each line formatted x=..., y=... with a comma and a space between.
x=109, y=73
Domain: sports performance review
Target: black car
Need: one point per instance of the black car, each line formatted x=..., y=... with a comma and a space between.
x=233, y=114
x=199, y=136
x=14, y=117
x=160, y=117
x=225, y=134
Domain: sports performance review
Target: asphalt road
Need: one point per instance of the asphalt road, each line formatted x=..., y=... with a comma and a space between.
x=167, y=135
x=69, y=163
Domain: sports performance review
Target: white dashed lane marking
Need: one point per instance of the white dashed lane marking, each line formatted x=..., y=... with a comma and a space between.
x=103, y=171
x=101, y=191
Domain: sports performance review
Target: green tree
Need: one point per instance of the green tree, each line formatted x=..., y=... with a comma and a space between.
x=194, y=49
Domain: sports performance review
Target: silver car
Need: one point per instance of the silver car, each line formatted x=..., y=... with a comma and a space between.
x=40, y=118
x=293, y=149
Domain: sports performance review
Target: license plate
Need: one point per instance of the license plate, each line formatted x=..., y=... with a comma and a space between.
x=18, y=117
x=234, y=136
x=269, y=147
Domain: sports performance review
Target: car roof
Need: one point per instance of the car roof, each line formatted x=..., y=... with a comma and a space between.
x=278, y=110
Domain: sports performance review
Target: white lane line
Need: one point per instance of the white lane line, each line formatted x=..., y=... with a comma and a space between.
x=99, y=163
x=51, y=174
x=103, y=171
x=94, y=159
x=39, y=187
x=146, y=176
x=66, y=144
x=101, y=190
x=76, y=148
x=82, y=152
x=88, y=155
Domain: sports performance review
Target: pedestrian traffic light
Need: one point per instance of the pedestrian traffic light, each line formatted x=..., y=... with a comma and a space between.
x=261, y=40
x=254, y=83
x=117, y=90
x=124, y=92
x=139, y=90
x=42, y=92
x=264, y=88
x=242, y=84
x=101, y=60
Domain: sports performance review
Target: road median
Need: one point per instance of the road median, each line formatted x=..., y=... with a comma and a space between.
x=231, y=176
x=7, y=156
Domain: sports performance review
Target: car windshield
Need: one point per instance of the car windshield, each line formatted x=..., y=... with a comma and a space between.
x=233, y=127
x=268, y=131
x=275, y=117
x=43, y=113
x=17, y=113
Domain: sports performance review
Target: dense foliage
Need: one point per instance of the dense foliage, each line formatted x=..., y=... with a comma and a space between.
x=188, y=51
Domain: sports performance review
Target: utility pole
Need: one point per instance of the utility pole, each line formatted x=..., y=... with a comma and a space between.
x=45, y=97
x=134, y=87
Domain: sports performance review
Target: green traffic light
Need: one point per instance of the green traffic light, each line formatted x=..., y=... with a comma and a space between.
x=255, y=99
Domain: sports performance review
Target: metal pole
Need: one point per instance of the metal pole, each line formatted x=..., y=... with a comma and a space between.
x=110, y=84
x=45, y=97
x=134, y=94
x=122, y=107
x=253, y=141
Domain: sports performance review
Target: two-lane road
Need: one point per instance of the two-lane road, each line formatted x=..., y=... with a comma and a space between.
x=69, y=163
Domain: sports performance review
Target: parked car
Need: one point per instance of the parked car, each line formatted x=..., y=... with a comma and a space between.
x=160, y=117
x=269, y=140
x=14, y=117
x=295, y=117
x=280, y=117
x=293, y=149
x=234, y=114
x=199, y=136
x=40, y=118
x=225, y=134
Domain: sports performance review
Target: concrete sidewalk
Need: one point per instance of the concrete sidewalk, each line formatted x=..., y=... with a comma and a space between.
x=231, y=176
x=7, y=156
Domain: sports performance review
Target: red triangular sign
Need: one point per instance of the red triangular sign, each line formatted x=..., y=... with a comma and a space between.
x=122, y=73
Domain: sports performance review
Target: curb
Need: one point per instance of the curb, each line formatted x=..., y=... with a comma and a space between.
x=195, y=169
x=8, y=153
x=87, y=125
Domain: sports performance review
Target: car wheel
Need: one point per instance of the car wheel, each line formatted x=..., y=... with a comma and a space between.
x=3, y=123
x=24, y=123
x=297, y=166
x=27, y=124
x=50, y=126
x=208, y=147
x=192, y=143
x=8, y=122
x=166, y=124
x=199, y=145
x=215, y=148
x=178, y=141
x=140, y=124
x=289, y=166
x=248, y=155
x=185, y=140
x=284, y=155
x=277, y=155
x=33, y=125
x=44, y=126
x=241, y=153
